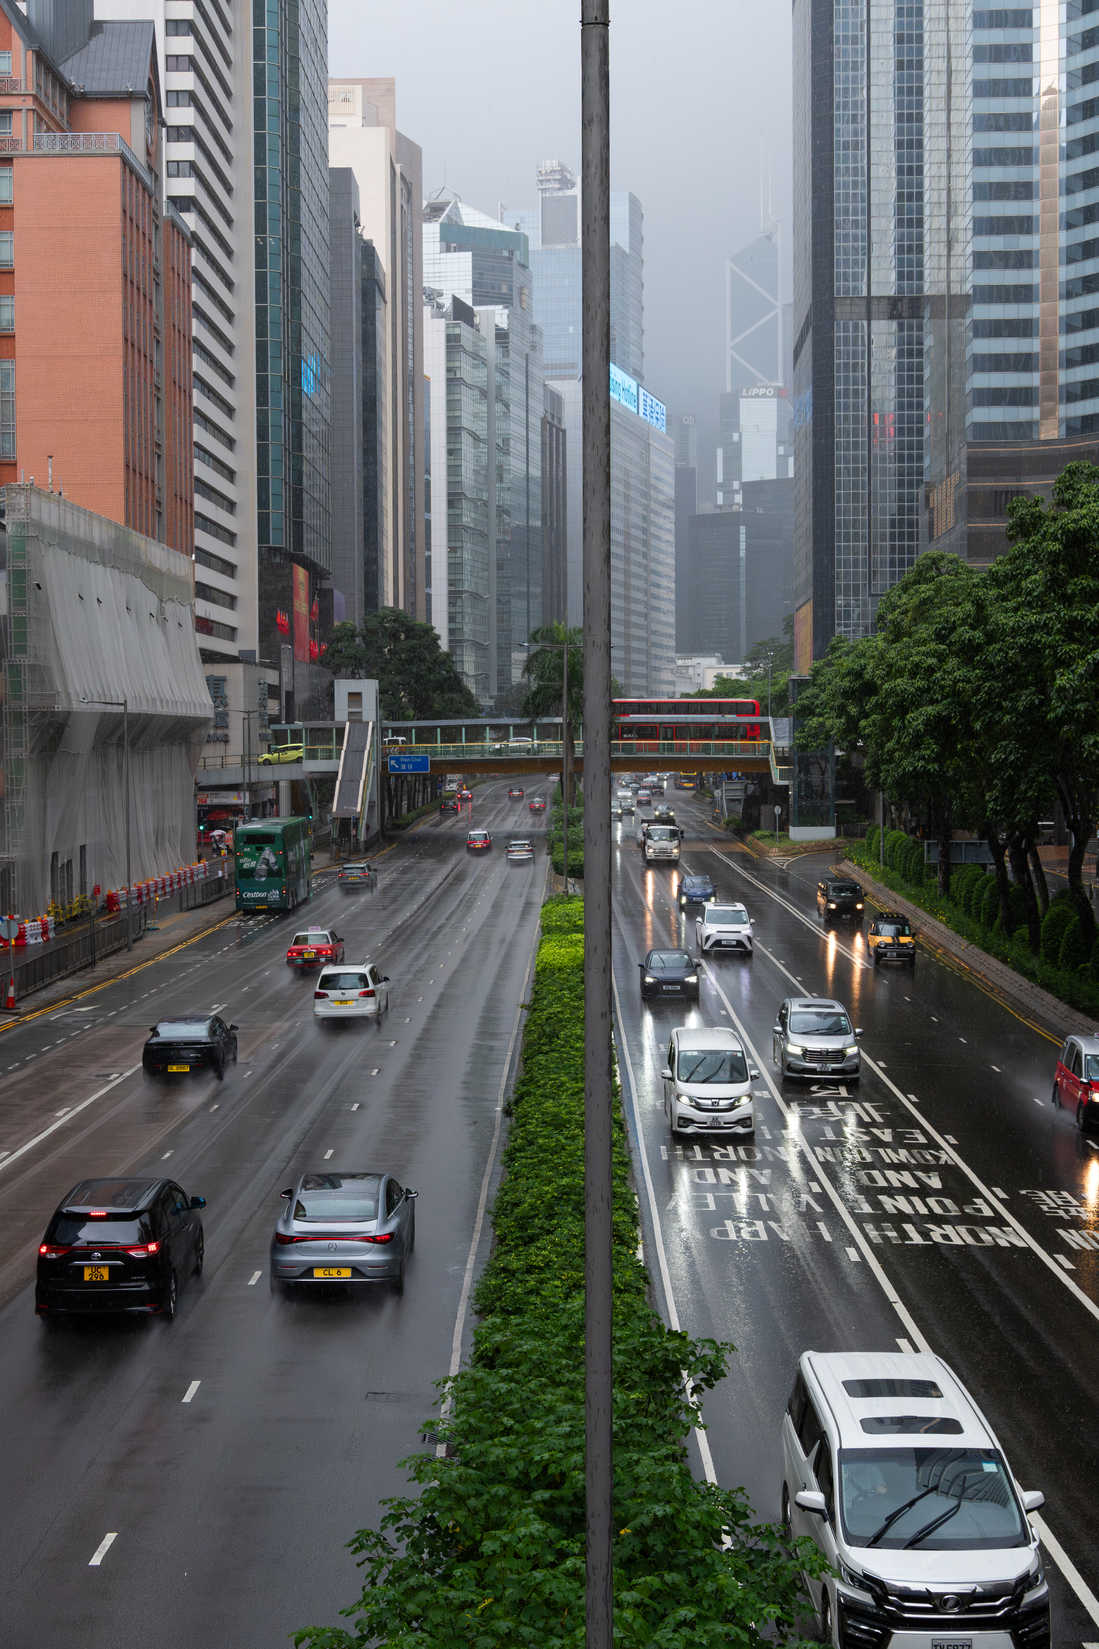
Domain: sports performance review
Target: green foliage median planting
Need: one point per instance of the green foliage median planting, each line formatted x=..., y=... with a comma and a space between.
x=489, y=1554
x=557, y=838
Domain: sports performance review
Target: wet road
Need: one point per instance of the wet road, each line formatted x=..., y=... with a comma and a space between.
x=942, y=1203
x=233, y=1452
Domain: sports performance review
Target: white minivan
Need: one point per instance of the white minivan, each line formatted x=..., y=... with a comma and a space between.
x=894, y=1474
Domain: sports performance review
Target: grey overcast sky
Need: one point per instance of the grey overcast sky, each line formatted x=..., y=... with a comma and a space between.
x=700, y=104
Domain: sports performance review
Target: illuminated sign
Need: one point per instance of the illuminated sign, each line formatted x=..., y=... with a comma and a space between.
x=653, y=411
x=623, y=388
x=300, y=603
x=759, y=392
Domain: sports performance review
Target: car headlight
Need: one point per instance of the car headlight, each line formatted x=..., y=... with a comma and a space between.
x=859, y=905
x=692, y=979
x=649, y=980
x=831, y=904
x=853, y=1577
x=1035, y=1574
x=797, y=1052
x=853, y=1049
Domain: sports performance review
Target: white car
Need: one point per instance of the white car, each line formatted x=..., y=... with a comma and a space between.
x=352, y=990
x=519, y=851
x=708, y=1083
x=723, y=927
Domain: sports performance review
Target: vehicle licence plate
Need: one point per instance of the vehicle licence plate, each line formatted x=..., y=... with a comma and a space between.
x=951, y=1643
x=671, y=989
x=179, y=1067
x=331, y=1271
x=309, y=956
x=97, y=1274
x=342, y=1002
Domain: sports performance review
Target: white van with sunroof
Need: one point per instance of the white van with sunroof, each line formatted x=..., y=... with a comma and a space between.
x=894, y=1474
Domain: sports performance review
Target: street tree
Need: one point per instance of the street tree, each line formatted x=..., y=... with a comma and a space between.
x=417, y=680
x=545, y=674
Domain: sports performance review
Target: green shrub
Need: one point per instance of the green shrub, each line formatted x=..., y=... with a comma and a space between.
x=1094, y=965
x=487, y=1552
x=973, y=895
x=1073, y=953
x=1016, y=904
x=873, y=836
x=990, y=903
x=1057, y=918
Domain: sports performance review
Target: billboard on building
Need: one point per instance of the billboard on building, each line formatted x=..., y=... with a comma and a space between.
x=301, y=614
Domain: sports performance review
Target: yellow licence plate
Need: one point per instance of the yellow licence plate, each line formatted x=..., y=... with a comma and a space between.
x=342, y=1002
x=179, y=1067
x=97, y=1274
x=309, y=955
x=331, y=1271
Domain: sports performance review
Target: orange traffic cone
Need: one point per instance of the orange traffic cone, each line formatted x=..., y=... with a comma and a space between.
x=9, y=1003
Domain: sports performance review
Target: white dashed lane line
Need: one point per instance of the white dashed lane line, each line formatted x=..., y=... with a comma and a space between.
x=188, y=1395
x=254, y=1278
x=102, y=1549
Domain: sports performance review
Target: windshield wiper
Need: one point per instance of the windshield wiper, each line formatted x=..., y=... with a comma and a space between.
x=898, y=1511
x=929, y=1528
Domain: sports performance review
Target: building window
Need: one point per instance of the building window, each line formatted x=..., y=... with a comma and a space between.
x=7, y=409
x=5, y=62
x=6, y=117
x=7, y=185
x=7, y=249
x=7, y=313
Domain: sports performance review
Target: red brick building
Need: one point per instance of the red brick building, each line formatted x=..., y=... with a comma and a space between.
x=95, y=273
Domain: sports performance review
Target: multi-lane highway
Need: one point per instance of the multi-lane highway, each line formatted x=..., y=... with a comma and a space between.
x=230, y=1500
x=943, y=1202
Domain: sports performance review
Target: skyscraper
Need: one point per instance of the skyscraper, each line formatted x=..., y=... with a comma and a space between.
x=388, y=168
x=293, y=392
x=1034, y=355
x=881, y=273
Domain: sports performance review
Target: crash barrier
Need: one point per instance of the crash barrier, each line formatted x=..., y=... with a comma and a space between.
x=38, y=965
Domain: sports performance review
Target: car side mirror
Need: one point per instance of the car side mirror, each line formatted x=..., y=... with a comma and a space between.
x=696, y=961
x=234, y=1027
x=197, y=1202
x=152, y=1030
x=753, y=1073
x=811, y=1500
x=1033, y=1500
x=385, y=979
x=858, y=1030
x=667, y=1075
x=288, y=1193
x=641, y=965
x=412, y=1195
x=776, y=1030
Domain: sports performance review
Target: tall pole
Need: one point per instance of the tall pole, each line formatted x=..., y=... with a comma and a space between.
x=596, y=449
x=126, y=804
x=565, y=750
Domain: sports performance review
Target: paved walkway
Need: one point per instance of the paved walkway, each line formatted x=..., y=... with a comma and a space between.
x=1052, y=1015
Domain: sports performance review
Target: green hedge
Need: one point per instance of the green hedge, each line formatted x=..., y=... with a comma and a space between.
x=1076, y=985
x=488, y=1553
x=557, y=839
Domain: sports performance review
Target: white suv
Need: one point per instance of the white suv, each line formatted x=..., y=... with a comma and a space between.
x=353, y=990
x=708, y=1083
x=893, y=1472
x=723, y=927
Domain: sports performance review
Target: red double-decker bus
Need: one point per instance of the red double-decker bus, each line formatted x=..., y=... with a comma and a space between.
x=653, y=722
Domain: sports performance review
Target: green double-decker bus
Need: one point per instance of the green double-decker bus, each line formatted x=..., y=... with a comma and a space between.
x=272, y=863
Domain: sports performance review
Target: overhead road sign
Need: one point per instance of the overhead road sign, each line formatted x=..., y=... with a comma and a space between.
x=405, y=762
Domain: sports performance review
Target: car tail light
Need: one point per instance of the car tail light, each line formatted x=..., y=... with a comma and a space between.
x=54, y=1250
x=143, y=1250
x=367, y=992
x=97, y=1213
x=382, y=1236
x=320, y=995
x=285, y=1237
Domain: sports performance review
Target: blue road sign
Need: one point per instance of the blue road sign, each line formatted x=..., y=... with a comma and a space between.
x=406, y=762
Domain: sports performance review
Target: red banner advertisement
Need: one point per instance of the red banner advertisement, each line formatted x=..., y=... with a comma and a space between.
x=301, y=614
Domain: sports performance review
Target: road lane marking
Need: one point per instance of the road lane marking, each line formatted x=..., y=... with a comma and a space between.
x=853, y=1255
x=37, y=1139
x=217, y=1102
x=1083, y=1592
x=355, y=1106
x=254, y=1278
x=190, y=1392
x=166, y=1155
x=374, y=1070
x=905, y=1345
x=997, y=1069
x=327, y=1154
x=102, y=1549
x=1066, y=1264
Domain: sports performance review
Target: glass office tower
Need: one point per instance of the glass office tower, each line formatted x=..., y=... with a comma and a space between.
x=881, y=275
x=292, y=318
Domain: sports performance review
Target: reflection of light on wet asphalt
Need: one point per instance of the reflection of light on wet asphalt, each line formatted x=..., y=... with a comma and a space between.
x=1091, y=1185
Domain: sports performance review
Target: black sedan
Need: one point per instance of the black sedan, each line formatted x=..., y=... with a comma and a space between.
x=117, y=1245
x=515, y=794
x=695, y=890
x=188, y=1043
x=669, y=973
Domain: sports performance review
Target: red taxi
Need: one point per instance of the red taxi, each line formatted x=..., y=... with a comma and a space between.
x=478, y=841
x=537, y=804
x=314, y=948
x=1076, y=1080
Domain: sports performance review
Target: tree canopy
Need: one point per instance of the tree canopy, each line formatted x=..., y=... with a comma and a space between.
x=768, y=666
x=417, y=680
x=976, y=701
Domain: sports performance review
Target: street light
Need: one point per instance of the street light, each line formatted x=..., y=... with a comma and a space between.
x=123, y=705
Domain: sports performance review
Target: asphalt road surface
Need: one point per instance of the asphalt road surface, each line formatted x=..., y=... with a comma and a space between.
x=195, y=1482
x=941, y=1203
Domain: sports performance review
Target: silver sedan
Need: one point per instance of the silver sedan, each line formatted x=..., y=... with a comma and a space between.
x=351, y=1228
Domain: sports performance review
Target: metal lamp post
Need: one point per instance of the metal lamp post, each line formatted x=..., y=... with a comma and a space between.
x=123, y=705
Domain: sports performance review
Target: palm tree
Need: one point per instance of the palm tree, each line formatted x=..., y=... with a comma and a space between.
x=545, y=672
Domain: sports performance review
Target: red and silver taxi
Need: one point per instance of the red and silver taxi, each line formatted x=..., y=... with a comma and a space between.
x=313, y=948
x=478, y=841
x=1076, y=1080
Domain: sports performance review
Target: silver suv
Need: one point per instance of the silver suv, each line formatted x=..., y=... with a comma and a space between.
x=813, y=1036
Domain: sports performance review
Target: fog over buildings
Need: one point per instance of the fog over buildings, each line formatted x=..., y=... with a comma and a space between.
x=700, y=110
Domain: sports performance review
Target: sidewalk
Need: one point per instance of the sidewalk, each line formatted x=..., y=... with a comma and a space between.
x=170, y=933
x=1024, y=997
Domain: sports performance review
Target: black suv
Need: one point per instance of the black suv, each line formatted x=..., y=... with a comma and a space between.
x=119, y=1245
x=837, y=897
